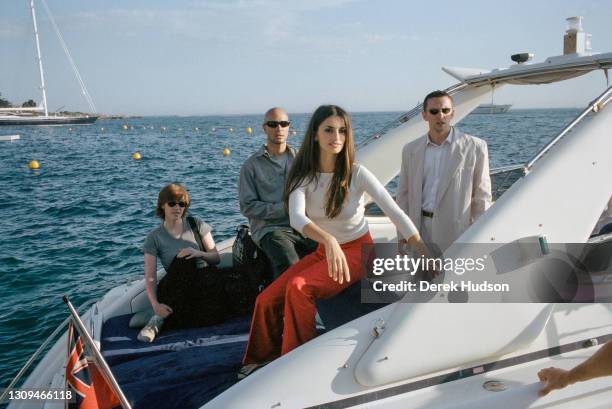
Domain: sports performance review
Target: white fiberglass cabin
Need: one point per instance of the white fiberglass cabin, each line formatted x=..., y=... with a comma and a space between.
x=404, y=355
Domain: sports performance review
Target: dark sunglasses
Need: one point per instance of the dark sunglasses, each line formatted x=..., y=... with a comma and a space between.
x=275, y=124
x=172, y=204
x=436, y=111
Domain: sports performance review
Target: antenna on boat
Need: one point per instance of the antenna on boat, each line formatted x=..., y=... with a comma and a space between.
x=576, y=40
x=40, y=67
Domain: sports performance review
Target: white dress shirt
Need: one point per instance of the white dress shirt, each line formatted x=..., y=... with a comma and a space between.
x=435, y=158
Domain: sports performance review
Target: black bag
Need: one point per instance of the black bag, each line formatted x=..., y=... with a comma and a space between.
x=246, y=280
x=250, y=260
x=244, y=249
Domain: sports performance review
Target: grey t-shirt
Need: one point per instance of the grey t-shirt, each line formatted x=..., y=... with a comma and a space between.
x=162, y=245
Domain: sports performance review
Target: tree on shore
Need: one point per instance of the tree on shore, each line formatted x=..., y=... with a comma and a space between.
x=29, y=104
x=4, y=103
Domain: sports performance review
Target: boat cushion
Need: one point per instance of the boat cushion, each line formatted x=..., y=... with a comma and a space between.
x=180, y=369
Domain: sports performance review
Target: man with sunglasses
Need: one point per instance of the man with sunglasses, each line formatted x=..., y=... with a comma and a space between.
x=444, y=183
x=260, y=190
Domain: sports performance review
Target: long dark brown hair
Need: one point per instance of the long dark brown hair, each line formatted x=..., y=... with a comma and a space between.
x=306, y=163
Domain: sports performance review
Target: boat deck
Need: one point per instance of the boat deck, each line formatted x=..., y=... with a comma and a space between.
x=187, y=368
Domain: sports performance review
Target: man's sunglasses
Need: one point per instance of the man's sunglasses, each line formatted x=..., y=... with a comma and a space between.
x=172, y=204
x=436, y=111
x=275, y=124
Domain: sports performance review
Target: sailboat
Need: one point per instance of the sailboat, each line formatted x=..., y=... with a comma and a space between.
x=404, y=355
x=18, y=116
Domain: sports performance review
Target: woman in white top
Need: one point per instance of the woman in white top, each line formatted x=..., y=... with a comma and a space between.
x=325, y=195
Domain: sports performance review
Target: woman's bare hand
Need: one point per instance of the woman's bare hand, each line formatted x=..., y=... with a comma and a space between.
x=189, y=252
x=162, y=310
x=337, y=267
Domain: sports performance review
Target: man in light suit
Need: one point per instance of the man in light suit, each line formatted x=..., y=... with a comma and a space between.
x=444, y=181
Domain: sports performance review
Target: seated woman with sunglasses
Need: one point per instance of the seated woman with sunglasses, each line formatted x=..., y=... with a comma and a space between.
x=178, y=300
x=325, y=194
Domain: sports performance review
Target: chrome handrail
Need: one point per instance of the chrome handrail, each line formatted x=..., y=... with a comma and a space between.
x=506, y=168
x=35, y=355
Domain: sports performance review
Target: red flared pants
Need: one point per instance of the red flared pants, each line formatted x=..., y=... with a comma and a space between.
x=293, y=296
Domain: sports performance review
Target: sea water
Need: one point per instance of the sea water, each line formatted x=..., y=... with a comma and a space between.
x=76, y=226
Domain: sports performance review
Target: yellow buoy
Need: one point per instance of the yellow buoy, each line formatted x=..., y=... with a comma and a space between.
x=249, y=130
x=136, y=156
x=196, y=129
x=34, y=165
x=125, y=127
x=231, y=129
x=226, y=152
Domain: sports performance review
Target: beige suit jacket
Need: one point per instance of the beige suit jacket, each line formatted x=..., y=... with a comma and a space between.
x=464, y=192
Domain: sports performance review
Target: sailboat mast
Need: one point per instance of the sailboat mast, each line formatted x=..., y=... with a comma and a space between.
x=40, y=67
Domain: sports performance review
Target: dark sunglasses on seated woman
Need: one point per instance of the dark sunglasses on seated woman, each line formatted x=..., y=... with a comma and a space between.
x=172, y=204
x=436, y=111
x=274, y=124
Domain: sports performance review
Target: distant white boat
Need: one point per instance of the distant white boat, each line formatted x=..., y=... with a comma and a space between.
x=491, y=109
x=9, y=138
x=16, y=116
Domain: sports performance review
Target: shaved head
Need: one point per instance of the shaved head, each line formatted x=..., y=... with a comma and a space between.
x=275, y=112
x=276, y=134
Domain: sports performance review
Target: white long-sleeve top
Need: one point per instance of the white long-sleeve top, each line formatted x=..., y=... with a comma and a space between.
x=307, y=205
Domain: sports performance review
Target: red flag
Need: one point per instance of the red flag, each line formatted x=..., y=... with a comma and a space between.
x=84, y=378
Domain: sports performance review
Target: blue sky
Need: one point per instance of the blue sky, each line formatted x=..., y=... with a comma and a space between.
x=235, y=56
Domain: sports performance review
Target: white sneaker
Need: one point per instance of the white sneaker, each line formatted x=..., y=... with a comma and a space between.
x=150, y=331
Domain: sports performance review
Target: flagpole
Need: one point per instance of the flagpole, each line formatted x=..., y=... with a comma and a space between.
x=69, y=347
x=104, y=368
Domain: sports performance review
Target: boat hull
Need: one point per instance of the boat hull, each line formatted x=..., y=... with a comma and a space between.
x=64, y=120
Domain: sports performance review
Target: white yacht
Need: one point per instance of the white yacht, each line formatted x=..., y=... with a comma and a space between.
x=492, y=109
x=19, y=116
x=408, y=355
